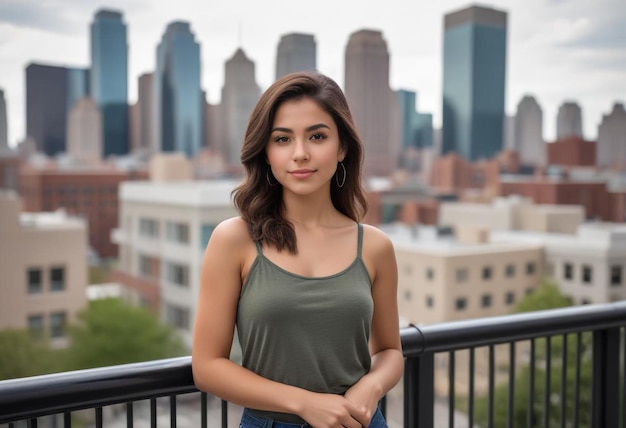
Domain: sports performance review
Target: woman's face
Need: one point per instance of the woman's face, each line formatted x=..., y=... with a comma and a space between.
x=304, y=148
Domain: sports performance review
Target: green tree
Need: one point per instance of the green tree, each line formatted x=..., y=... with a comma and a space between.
x=547, y=296
x=21, y=355
x=111, y=332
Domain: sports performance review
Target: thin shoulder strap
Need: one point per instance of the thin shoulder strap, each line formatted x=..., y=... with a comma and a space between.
x=359, y=247
x=259, y=249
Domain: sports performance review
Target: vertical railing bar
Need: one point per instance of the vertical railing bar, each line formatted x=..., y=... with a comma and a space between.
x=32, y=423
x=470, y=404
x=491, y=383
x=153, y=413
x=129, y=414
x=172, y=411
x=224, y=414
x=67, y=420
x=546, y=397
x=98, y=417
x=530, y=408
x=511, y=404
x=203, y=410
x=451, y=392
x=564, y=382
x=576, y=398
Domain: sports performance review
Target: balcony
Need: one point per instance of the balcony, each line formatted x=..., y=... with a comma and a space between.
x=552, y=347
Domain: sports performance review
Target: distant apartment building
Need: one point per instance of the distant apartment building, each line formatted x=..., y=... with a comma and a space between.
x=590, y=267
x=89, y=193
x=84, y=132
x=611, y=146
x=528, y=132
x=164, y=227
x=511, y=213
x=43, y=260
x=453, y=174
x=571, y=151
x=569, y=122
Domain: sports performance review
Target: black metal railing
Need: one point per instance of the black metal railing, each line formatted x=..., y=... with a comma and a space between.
x=593, y=333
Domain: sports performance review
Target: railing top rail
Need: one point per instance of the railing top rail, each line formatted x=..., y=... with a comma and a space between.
x=417, y=340
x=69, y=391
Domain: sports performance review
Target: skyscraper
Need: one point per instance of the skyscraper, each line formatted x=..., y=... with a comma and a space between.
x=4, y=143
x=569, y=122
x=296, y=52
x=474, y=73
x=528, y=134
x=50, y=94
x=373, y=104
x=239, y=96
x=109, y=78
x=178, y=103
x=146, y=107
x=611, y=146
x=84, y=132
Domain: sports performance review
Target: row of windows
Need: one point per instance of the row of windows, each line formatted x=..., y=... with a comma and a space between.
x=174, y=231
x=462, y=274
x=34, y=279
x=461, y=302
x=586, y=273
x=57, y=324
x=85, y=190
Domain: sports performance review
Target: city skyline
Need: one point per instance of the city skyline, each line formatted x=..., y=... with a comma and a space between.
x=557, y=50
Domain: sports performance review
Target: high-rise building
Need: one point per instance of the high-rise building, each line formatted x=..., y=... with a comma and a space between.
x=4, y=143
x=84, y=132
x=372, y=102
x=528, y=137
x=146, y=108
x=417, y=128
x=51, y=92
x=569, y=122
x=178, y=103
x=239, y=96
x=296, y=52
x=474, y=74
x=109, y=78
x=611, y=147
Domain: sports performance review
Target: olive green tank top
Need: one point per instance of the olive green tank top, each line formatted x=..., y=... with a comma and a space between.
x=309, y=332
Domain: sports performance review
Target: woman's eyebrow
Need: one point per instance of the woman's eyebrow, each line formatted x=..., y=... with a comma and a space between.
x=309, y=129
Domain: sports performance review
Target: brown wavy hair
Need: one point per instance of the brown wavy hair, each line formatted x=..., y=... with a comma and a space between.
x=259, y=202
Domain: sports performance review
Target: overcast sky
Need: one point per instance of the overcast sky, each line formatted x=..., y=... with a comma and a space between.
x=558, y=50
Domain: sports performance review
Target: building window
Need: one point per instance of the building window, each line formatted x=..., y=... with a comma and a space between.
x=205, y=233
x=509, y=298
x=461, y=275
x=149, y=227
x=35, y=326
x=430, y=274
x=430, y=301
x=616, y=275
x=510, y=271
x=57, y=325
x=530, y=268
x=34, y=281
x=486, y=272
x=568, y=271
x=146, y=266
x=461, y=303
x=177, y=317
x=57, y=279
x=486, y=300
x=587, y=274
x=177, y=232
x=407, y=295
x=178, y=274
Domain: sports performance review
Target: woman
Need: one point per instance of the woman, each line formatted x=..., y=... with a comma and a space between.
x=312, y=291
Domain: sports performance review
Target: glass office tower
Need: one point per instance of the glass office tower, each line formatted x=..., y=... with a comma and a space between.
x=177, y=91
x=474, y=69
x=109, y=79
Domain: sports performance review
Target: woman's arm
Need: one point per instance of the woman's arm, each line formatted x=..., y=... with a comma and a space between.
x=213, y=372
x=385, y=347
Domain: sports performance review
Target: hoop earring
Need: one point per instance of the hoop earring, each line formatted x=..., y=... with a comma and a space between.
x=269, y=180
x=345, y=174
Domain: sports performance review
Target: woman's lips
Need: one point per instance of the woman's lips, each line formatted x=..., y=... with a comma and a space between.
x=302, y=173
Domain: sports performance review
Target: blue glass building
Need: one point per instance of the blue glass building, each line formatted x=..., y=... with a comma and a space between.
x=109, y=79
x=178, y=95
x=417, y=128
x=474, y=69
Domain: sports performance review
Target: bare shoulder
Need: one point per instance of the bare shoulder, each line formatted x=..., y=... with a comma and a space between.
x=232, y=231
x=375, y=242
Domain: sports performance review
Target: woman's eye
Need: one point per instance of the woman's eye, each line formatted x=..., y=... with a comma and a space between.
x=318, y=136
x=281, y=139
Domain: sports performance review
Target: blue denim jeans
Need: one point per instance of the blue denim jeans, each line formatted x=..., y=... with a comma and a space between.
x=249, y=420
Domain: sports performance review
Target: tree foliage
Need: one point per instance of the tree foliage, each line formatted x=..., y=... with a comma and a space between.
x=21, y=355
x=111, y=332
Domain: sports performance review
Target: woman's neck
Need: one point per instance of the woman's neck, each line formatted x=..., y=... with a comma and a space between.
x=309, y=211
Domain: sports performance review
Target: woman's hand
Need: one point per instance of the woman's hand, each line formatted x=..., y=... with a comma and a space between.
x=364, y=395
x=332, y=411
